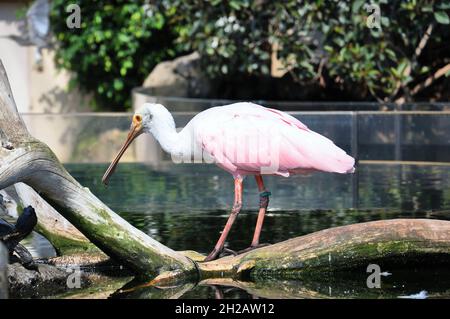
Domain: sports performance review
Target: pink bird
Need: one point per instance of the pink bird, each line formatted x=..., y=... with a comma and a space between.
x=243, y=139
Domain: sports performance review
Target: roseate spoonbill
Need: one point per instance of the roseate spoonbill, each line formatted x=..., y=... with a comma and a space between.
x=243, y=139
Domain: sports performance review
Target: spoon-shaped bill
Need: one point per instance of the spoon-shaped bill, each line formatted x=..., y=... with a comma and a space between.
x=135, y=131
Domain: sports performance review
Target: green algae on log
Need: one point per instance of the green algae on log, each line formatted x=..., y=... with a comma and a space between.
x=396, y=242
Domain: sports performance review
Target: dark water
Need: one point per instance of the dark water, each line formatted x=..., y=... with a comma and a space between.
x=186, y=206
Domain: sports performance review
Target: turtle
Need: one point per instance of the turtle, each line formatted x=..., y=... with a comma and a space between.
x=11, y=235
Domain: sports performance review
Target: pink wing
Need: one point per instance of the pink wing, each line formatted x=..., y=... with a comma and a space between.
x=246, y=138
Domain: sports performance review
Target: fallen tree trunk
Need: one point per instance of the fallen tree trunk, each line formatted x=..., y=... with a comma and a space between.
x=39, y=169
x=25, y=159
x=387, y=242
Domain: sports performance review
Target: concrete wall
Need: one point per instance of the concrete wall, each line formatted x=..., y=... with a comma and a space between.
x=36, y=91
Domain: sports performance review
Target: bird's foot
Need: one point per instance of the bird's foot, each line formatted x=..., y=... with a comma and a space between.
x=213, y=254
x=220, y=252
x=252, y=247
x=229, y=252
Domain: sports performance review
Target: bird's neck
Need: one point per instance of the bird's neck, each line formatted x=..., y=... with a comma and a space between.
x=167, y=136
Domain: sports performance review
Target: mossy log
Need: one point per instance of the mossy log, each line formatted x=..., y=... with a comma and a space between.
x=396, y=242
x=28, y=160
x=25, y=159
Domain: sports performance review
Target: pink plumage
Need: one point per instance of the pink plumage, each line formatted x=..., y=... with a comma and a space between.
x=249, y=139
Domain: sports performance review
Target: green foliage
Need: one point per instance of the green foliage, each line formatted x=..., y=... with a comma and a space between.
x=232, y=36
x=321, y=38
x=116, y=47
x=316, y=41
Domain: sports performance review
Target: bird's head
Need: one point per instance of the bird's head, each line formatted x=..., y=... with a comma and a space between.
x=144, y=120
x=26, y=221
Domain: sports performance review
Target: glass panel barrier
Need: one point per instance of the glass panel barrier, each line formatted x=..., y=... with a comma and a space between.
x=385, y=136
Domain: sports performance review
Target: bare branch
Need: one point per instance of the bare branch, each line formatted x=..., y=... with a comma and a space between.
x=419, y=87
x=407, y=71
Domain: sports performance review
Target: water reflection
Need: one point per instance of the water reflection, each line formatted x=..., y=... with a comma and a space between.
x=186, y=206
x=199, y=188
x=433, y=283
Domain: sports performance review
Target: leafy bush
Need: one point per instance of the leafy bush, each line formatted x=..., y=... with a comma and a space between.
x=326, y=43
x=322, y=41
x=116, y=47
x=232, y=36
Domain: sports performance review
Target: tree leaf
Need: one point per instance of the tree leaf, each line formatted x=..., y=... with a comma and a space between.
x=235, y=5
x=445, y=5
x=441, y=17
x=357, y=5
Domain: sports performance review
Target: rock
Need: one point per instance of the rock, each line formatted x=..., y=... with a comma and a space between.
x=2, y=206
x=44, y=281
x=95, y=146
x=3, y=271
x=35, y=283
x=8, y=206
x=181, y=77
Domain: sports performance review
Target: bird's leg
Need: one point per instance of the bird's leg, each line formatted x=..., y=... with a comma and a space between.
x=263, y=203
x=234, y=212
